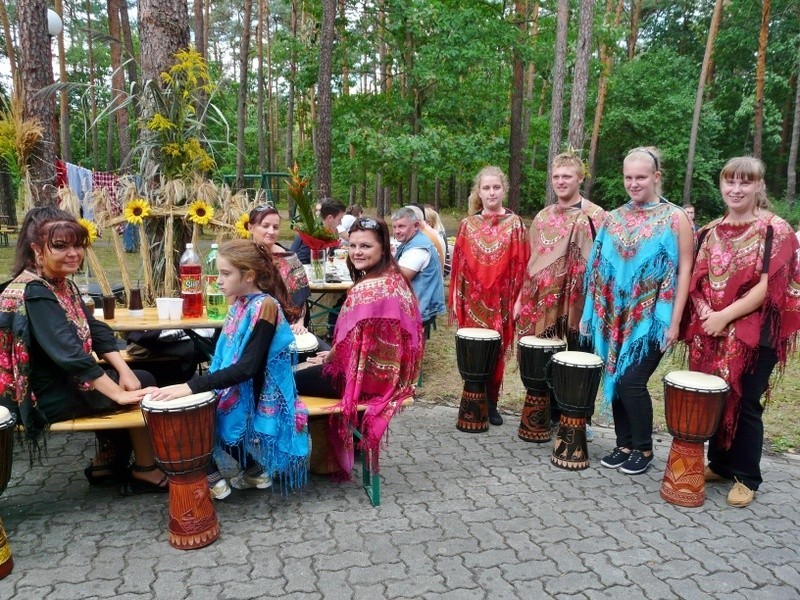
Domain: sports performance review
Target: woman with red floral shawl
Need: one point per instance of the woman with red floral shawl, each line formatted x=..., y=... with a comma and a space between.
x=489, y=259
x=743, y=318
x=377, y=346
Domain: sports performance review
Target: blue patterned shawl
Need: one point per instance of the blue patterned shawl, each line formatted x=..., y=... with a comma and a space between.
x=269, y=429
x=631, y=285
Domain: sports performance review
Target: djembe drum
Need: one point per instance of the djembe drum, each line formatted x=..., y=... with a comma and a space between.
x=693, y=404
x=182, y=434
x=7, y=421
x=533, y=354
x=476, y=354
x=307, y=345
x=575, y=377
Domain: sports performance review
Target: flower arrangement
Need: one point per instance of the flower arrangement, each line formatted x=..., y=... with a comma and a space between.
x=200, y=212
x=136, y=210
x=309, y=226
x=241, y=226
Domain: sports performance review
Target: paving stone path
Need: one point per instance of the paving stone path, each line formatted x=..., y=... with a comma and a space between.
x=463, y=516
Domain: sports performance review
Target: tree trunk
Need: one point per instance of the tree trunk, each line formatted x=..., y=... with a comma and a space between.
x=580, y=78
x=92, y=91
x=163, y=30
x=241, y=109
x=7, y=196
x=791, y=173
x=636, y=14
x=63, y=118
x=36, y=73
x=761, y=68
x=110, y=143
x=345, y=64
x=260, y=112
x=200, y=28
x=12, y=56
x=324, y=119
x=119, y=95
x=530, y=72
x=606, y=63
x=698, y=101
x=127, y=38
x=291, y=92
x=557, y=102
x=517, y=90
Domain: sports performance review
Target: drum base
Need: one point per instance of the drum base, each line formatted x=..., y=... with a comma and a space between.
x=534, y=423
x=570, y=450
x=6, y=560
x=192, y=519
x=684, y=482
x=473, y=414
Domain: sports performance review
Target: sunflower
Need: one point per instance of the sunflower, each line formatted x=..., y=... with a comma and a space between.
x=136, y=210
x=201, y=212
x=241, y=226
x=91, y=230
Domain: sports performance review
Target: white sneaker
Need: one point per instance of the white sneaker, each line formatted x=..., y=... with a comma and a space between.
x=220, y=490
x=243, y=481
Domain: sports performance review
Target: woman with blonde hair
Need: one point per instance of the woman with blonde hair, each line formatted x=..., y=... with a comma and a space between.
x=743, y=318
x=489, y=259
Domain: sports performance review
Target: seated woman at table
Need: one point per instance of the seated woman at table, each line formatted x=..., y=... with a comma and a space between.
x=377, y=346
x=260, y=421
x=47, y=336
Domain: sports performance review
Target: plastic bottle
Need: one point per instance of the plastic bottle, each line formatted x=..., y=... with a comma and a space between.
x=191, y=271
x=216, y=305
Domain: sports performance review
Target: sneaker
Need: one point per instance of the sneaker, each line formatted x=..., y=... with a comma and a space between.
x=637, y=463
x=740, y=495
x=589, y=433
x=616, y=459
x=709, y=475
x=252, y=479
x=220, y=490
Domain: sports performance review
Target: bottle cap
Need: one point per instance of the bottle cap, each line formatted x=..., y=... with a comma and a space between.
x=189, y=246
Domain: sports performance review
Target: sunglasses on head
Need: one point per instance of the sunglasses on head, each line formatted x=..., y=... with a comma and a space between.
x=365, y=223
x=263, y=207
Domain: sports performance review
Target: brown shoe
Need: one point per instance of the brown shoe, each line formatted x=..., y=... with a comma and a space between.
x=710, y=475
x=740, y=495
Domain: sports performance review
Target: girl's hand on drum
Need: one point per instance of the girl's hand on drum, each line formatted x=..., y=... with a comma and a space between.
x=714, y=323
x=298, y=328
x=171, y=392
x=320, y=358
x=133, y=396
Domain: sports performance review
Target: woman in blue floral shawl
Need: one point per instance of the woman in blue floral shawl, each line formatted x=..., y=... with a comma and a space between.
x=260, y=421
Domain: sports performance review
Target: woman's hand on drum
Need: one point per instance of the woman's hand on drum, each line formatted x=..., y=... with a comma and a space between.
x=126, y=397
x=128, y=381
x=714, y=323
x=171, y=392
x=298, y=328
x=319, y=359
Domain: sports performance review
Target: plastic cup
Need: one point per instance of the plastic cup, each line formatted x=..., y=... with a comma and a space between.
x=135, y=301
x=175, y=309
x=162, y=306
x=109, y=303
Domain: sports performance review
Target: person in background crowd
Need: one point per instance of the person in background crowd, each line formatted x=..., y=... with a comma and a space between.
x=637, y=285
x=489, y=259
x=418, y=262
x=351, y=214
x=689, y=210
x=743, y=318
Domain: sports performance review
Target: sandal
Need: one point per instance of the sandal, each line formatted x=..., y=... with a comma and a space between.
x=140, y=486
x=99, y=474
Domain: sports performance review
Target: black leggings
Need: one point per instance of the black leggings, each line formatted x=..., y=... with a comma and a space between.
x=632, y=406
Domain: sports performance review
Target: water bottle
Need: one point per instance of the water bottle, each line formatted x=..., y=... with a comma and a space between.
x=191, y=283
x=216, y=305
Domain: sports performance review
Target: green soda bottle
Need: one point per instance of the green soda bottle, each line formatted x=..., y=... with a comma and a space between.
x=216, y=305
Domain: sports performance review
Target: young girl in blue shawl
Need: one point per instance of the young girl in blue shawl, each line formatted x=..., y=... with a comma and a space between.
x=637, y=286
x=260, y=421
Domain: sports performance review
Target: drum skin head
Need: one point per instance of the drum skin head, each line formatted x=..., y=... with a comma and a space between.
x=533, y=341
x=478, y=333
x=184, y=402
x=695, y=380
x=306, y=342
x=5, y=417
x=577, y=359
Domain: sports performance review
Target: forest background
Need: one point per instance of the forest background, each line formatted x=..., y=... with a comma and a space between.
x=422, y=93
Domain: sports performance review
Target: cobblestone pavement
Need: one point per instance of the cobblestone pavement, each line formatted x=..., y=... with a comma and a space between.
x=463, y=516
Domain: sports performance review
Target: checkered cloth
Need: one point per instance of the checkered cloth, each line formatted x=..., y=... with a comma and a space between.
x=110, y=183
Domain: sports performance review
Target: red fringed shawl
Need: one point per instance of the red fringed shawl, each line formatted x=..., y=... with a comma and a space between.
x=730, y=262
x=489, y=258
x=376, y=360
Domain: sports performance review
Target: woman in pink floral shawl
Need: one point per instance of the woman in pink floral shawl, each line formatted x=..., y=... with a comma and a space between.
x=377, y=347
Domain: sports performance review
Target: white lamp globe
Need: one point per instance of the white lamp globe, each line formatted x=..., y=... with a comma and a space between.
x=54, y=24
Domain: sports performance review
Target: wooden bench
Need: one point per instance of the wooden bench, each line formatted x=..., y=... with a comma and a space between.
x=317, y=407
